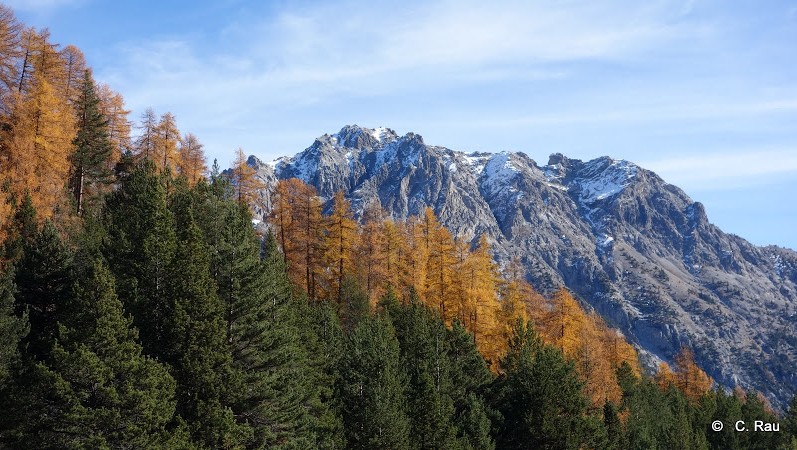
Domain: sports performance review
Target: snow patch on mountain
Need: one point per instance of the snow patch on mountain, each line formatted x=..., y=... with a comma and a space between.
x=601, y=180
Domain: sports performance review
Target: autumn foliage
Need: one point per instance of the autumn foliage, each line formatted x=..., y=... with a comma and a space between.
x=454, y=276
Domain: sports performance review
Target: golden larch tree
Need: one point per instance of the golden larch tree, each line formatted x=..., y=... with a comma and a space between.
x=340, y=243
x=144, y=146
x=192, y=161
x=439, y=266
x=244, y=180
x=483, y=313
x=166, y=141
x=689, y=378
x=112, y=105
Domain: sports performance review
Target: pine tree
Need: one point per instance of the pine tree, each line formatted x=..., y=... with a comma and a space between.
x=425, y=359
x=98, y=390
x=790, y=422
x=44, y=278
x=273, y=388
x=12, y=326
x=540, y=397
x=195, y=340
x=139, y=249
x=92, y=146
x=372, y=387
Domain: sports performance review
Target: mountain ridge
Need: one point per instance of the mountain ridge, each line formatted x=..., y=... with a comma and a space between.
x=635, y=248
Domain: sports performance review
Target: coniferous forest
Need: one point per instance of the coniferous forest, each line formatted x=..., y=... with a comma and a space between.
x=140, y=308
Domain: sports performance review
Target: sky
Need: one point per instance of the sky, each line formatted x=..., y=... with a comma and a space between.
x=702, y=92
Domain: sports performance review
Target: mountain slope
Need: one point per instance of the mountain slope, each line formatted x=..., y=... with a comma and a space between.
x=634, y=247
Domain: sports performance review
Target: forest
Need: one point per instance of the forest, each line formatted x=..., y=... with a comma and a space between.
x=140, y=307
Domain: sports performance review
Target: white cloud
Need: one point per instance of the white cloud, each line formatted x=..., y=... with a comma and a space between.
x=733, y=169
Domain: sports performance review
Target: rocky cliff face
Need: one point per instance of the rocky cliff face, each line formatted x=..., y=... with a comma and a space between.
x=632, y=246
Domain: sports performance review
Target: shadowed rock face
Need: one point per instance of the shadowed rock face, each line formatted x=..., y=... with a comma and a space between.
x=632, y=246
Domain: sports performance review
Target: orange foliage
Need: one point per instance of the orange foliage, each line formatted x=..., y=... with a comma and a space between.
x=449, y=276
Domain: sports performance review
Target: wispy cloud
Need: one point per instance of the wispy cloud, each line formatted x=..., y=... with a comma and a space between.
x=733, y=169
x=329, y=49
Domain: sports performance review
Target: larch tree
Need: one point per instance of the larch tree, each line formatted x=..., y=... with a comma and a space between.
x=370, y=258
x=439, y=266
x=144, y=145
x=91, y=158
x=112, y=106
x=281, y=217
x=416, y=254
x=310, y=229
x=485, y=318
x=167, y=138
x=244, y=180
x=193, y=164
x=74, y=69
x=10, y=52
x=689, y=378
x=392, y=243
x=341, y=241
x=563, y=325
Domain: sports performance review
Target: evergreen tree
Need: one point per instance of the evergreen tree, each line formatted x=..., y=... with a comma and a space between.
x=140, y=247
x=790, y=422
x=322, y=336
x=425, y=360
x=44, y=280
x=469, y=378
x=540, y=397
x=12, y=327
x=92, y=146
x=474, y=425
x=97, y=390
x=195, y=341
x=614, y=428
x=372, y=387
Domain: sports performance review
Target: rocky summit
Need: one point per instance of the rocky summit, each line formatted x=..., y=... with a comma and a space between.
x=633, y=247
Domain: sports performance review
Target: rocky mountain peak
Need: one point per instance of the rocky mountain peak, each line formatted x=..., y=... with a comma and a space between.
x=636, y=249
x=357, y=137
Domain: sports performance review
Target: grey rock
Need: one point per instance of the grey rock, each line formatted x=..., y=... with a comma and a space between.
x=636, y=249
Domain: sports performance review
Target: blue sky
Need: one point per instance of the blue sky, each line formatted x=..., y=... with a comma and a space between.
x=702, y=92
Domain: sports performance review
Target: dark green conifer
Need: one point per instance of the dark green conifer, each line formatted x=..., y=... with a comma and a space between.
x=425, y=359
x=12, y=326
x=372, y=387
x=540, y=397
x=96, y=390
x=195, y=338
x=44, y=279
x=92, y=146
x=140, y=248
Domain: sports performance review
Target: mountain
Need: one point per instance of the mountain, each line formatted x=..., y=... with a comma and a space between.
x=636, y=249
